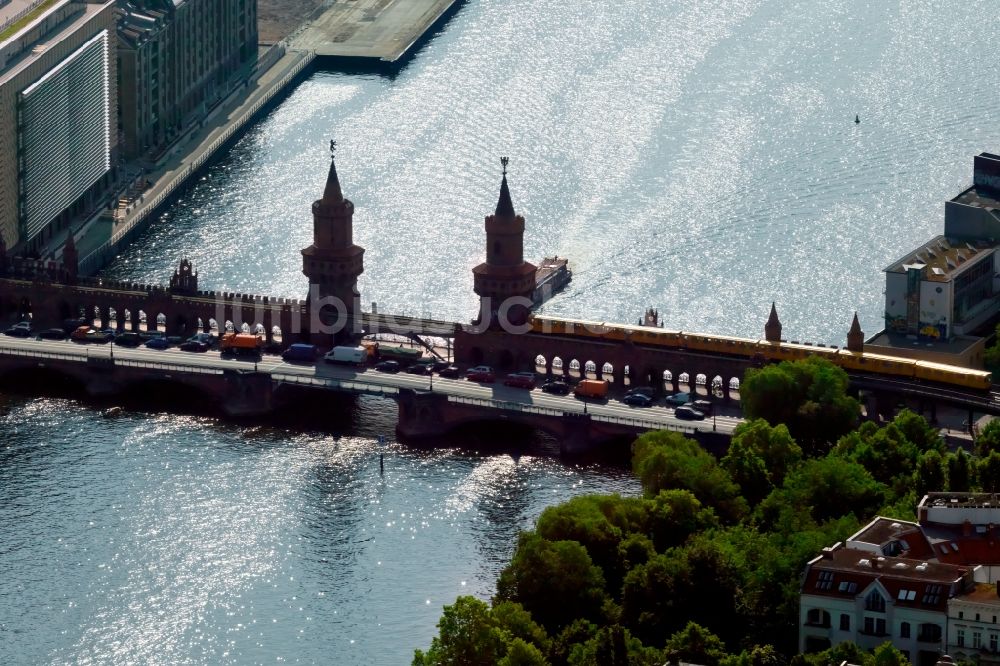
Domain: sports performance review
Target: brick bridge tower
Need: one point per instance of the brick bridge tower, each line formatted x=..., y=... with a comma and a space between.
x=505, y=275
x=333, y=262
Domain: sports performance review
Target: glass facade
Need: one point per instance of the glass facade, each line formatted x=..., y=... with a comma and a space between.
x=63, y=134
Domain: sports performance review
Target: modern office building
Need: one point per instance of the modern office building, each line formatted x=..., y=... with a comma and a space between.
x=177, y=58
x=939, y=296
x=58, y=94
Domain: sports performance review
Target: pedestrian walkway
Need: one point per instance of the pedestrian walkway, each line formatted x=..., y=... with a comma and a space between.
x=102, y=236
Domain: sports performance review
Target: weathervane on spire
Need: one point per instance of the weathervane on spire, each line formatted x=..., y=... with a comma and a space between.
x=503, y=162
x=333, y=149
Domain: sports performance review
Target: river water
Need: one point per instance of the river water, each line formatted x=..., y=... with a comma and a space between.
x=697, y=156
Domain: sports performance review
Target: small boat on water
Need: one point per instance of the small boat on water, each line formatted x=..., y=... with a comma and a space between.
x=112, y=412
x=550, y=277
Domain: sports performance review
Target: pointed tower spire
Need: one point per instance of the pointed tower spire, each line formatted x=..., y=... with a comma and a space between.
x=332, y=194
x=855, y=337
x=505, y=207
x=772, y=329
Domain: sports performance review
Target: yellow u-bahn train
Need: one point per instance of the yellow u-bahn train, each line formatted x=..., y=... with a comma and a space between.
x=877, y=364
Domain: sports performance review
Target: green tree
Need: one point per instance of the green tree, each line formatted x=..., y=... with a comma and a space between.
x=614, y=646
x=467, y=636
x=822, y=489
x=521, y=653
x=961, y=473
x=598, y=523
x=809, y=396
x=759, y=457
x=989, y=472
x=664, y=460
x=699, y=581
x=674, y=515
x=988, y=439
x=697, y=645
x=556, y=581
x=576, y=633
x=931, y=474
x=760, y=655
x=887, y=655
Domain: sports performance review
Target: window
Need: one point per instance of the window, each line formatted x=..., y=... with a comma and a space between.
x=932, y=594
x=960, y=637
x=993, y=642
x=977, y=617
x=904, y=630
x=929, y=633
x=880, y=626
x=977, y=640
x=848, y=587
x=961, y=615
x=869, y=625
x=817, y=617
x=845, y=623
x=825, y=580
x=875, y=602
x=907, y=595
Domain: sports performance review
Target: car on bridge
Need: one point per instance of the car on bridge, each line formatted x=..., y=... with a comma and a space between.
x=194, y=346
x=525, y=380
x=450, y=372
x=647, y=391
x=678, y=399
x=420, y=369
x=158, y=343
x=387, y=366
x=483, y=374
x=689, y=413
x=18, y=331
x=556, y=387
x=638, y=400
x=128, y=339
x=52, y=334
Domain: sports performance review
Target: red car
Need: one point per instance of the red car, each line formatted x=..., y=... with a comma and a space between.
x=481, y=373
x=525, y=380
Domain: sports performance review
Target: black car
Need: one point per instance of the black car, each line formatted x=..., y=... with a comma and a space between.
x=688, y=413
x=419, y=369
x=438, y=366
x=194, y=346
x=556, y=387
x=387, y=366
x=128, y=339
x=53, y=334
x=638, y=400
x=18, y=332
x=450, y=372
x=647, y=391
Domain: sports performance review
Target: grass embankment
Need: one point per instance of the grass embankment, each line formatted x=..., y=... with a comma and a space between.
x=25, y=20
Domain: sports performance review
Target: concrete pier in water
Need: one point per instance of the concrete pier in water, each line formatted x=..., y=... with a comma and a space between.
x=382, y=30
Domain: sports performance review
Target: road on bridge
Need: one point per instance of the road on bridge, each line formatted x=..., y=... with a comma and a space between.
x=368, y=381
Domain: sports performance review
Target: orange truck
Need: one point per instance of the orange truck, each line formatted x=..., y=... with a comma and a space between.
x=591, y=388
x=241, y=342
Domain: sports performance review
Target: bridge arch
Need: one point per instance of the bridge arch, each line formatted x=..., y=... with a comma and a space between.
x=557, y=366
x=590, y=370
x=574, y=368
x=608, y=372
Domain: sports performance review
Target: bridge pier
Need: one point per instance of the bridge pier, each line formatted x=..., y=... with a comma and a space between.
x=247, y=393
x=421, y=414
